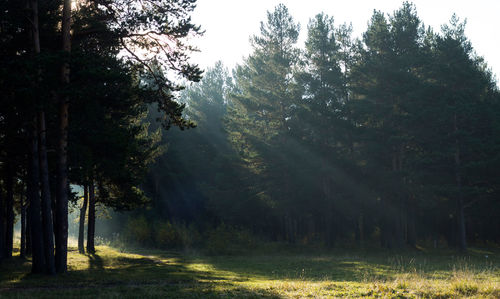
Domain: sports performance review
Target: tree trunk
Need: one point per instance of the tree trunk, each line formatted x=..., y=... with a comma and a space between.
x=91, y=220
x=38, y=261
x=2, y=228
x=83, y=211
x=29, y=245
x=9, y=227
x=412, y=236
x=330, y=229
x=398, y=230
x=48, y=229
x=462, y=243
x=396, y=220
x=361, y=230
x=54, y=210
x=62, y=161
x=385, y=236
x=22, y=250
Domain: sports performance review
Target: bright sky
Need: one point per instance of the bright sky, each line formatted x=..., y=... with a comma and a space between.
x=230, y=23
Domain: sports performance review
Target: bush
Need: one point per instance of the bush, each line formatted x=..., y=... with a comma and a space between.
x=225, y=239
x=189, y=235
x=175, y=235
x=167, y=236
x=139, y=231
x=222, y=239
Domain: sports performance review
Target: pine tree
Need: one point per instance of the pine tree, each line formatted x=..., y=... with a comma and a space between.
x=459, y=125
x=269, y=95
x=387, y=85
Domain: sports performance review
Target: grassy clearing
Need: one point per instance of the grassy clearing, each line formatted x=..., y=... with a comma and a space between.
x=146, y=273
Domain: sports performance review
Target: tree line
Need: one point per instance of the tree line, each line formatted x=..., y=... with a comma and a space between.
x=389, y=139
x=75, y=85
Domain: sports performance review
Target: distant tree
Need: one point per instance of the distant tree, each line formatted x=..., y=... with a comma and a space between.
x=199, y=165
x=269, y=96
x=458, y=141
x=323, y=77
x=387, y=83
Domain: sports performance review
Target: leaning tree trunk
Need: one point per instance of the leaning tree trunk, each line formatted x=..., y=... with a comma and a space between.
x=91, y=220
x=83, y=211
x=38, y=260
x=48, y=231
x=62, y=161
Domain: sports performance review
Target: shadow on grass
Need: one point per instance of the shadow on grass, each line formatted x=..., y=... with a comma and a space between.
x=95, y=262
x=168, y=274
x=356, y=266
x=129, y=276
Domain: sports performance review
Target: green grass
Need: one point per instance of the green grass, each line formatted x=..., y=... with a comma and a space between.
x=159, y=274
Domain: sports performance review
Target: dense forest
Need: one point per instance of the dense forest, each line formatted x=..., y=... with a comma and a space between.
x=388, y=140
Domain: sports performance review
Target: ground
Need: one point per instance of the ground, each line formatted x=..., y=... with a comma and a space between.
x=111, y=273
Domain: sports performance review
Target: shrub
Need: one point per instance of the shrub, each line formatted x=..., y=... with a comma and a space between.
x=139, y=231
x=167, y=236
x=189, y=236
x=176, y=235
x=225, y=239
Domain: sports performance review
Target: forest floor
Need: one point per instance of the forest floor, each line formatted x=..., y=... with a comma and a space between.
x=111, y=273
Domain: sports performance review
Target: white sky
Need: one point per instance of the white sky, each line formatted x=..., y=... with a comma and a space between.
x=230, y=23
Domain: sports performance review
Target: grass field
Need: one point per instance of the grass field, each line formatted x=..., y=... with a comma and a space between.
x=158, y=274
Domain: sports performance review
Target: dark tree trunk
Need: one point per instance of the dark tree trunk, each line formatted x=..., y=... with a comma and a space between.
x=384, y=234
x=62, y=195
x=38, y=261
x=396, y=219
x=2, y=227
x=412, y=235
x=398, y=231
x=48, y=232
x=54, y=211
x=330, y=230
x=62, y=161
x=462, y=242
x=390, y=230
x=461, y=239
x=290, y=229
x=81, y=229
x=360, y=230
x=29, y=245
x=91, y=220
x=22, y=251
x=9, y=227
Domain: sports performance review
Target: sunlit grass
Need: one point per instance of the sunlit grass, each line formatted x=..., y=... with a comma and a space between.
x=147, y=273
